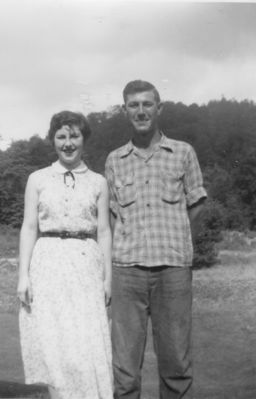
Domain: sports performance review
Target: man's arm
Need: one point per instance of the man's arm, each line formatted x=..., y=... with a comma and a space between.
x=194, y=190
x=195, y=214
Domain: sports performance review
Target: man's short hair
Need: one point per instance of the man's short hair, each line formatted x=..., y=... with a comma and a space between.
x=139, y=86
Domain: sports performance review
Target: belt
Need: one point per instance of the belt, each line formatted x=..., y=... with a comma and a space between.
x=66, y=234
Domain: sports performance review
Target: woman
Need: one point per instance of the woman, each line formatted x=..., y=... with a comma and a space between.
x=65, y=271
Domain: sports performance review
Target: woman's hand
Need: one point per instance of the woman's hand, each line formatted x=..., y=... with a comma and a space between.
x=105, y=238
x=24, y=291
x=107, y=290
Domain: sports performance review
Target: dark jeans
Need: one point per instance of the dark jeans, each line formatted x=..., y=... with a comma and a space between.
x=164, y=293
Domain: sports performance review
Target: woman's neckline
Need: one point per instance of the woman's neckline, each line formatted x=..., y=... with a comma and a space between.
x=62, y=169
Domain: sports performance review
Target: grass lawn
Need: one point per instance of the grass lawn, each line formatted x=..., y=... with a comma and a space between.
x=224, y=333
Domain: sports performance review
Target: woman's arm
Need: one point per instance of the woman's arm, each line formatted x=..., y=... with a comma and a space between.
x=28, y=237
x=104, y=238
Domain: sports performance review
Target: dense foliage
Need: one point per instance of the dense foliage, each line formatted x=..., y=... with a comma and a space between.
x=223, y=134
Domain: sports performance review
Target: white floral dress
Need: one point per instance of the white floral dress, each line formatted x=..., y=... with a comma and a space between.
x=65, y=337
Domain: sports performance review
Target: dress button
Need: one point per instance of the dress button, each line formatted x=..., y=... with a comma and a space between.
x=148, y=205
x=147, y=181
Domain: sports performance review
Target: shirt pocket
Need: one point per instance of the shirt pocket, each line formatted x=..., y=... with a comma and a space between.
x=126, y=191
x=172, y=188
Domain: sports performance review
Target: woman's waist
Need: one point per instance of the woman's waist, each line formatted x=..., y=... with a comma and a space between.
x=68, y=234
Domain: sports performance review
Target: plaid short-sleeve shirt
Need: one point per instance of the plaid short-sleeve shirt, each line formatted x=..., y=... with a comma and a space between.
x=150, y=197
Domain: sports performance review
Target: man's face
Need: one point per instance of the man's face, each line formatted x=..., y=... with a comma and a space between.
x=142, y=110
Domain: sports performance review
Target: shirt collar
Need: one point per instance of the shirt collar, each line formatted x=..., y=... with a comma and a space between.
x=126, y=149
x=57, y=167
x=164, y=142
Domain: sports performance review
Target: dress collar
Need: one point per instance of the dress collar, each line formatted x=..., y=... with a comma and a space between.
x=57, y=167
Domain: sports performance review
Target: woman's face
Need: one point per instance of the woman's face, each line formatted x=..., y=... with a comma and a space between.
x=69, y=144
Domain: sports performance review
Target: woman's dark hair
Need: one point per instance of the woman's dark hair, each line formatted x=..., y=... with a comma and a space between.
x=69, y=118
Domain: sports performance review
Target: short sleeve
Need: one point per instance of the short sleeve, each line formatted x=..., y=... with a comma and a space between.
x=193, y=179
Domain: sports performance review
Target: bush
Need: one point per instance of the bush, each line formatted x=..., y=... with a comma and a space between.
x=211, y=226
x=9, y=238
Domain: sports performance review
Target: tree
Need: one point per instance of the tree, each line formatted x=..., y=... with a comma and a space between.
x=223, y=134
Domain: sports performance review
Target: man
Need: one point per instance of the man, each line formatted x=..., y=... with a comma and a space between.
x=156, y=193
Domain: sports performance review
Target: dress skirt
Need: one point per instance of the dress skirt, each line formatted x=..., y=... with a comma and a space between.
x=65, y=337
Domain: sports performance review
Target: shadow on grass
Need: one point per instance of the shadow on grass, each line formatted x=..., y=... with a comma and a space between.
x=17, y=390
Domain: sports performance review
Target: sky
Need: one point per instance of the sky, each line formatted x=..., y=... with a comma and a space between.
x=78, y=55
